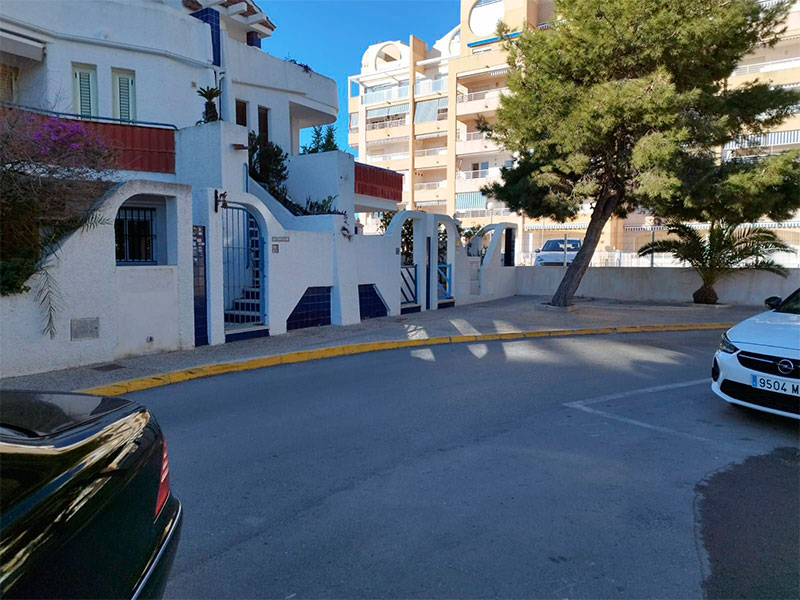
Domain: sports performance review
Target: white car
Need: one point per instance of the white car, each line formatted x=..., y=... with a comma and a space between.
x=552, y=253
x=757, y=364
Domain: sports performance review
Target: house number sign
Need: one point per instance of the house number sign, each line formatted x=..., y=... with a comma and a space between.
x=278, y=238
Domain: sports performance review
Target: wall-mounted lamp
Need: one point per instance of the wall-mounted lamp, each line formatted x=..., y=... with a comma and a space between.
x=220, y=200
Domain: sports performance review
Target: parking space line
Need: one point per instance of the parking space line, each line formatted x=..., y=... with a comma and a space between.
x=584, y=406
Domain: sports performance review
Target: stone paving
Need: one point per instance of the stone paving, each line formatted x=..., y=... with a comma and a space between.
x=500, y=316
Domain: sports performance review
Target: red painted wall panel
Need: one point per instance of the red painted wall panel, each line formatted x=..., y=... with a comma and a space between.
x=378, y=183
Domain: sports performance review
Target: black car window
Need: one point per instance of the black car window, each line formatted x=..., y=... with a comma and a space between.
x=791, y=304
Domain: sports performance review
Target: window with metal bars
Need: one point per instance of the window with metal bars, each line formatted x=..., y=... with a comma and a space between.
x=135, y=236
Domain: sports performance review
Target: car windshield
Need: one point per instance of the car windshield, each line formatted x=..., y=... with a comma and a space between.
x=558, y=245
x=791, y=304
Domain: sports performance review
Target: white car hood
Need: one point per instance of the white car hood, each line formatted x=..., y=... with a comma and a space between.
x=556, y=256
x=769, y=329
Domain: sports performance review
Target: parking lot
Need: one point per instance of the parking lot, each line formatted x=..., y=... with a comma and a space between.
x=598, y=466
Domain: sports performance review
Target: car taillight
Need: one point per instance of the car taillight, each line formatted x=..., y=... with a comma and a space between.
x=163, y=484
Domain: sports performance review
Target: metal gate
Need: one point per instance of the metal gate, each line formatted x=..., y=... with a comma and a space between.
x=242, y=253
x=408, y=285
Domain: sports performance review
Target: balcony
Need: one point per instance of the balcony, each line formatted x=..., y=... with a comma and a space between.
x=473, y=181
x=140, y=146
x=431, y=193
x=773, y=142
x=479, y=102
x=430, y=86
x=767, y=67
x=388, y=95
x=475, y=142
x=430, y=157
x=386, y=157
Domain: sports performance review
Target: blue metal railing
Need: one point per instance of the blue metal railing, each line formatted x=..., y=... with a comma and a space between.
x=408, y=285
x=66, y=115
x=444, y=280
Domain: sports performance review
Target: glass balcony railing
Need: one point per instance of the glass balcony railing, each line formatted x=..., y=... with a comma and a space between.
x=387, y=95
x=385, y=157
x=430, y=86
x=471, y=135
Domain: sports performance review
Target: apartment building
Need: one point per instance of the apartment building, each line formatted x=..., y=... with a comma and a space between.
x=415, y=109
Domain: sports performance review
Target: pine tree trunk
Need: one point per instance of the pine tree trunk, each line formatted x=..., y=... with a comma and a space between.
x=572, y=278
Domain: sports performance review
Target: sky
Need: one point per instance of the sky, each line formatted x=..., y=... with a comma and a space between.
x=331, y=36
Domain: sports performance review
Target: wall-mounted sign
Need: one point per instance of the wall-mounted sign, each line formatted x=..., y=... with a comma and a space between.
x=280, y=238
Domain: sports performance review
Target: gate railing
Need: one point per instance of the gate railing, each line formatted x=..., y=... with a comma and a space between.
x=444, y=280
x=408, y=284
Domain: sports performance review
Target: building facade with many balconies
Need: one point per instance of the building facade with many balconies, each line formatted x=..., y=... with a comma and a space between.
x=415, y=109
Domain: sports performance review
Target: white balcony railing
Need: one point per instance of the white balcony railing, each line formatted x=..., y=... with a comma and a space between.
x=430, y=86
x=762, y=67
x=395, y=93
x=480, y=174
x=431, y=151
x=472, y=135
x=790, y=137
x=494, y=93
x=385, y=124
x=433, y=185
x=385, y=157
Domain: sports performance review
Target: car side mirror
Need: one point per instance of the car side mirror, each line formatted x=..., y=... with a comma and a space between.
x=773, y=302
x=538, y=250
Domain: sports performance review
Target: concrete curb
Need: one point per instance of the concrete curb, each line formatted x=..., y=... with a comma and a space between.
x=152, y=381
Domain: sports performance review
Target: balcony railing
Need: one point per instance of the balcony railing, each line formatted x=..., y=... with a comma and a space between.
x=386, y=124
x=139, y=145
x=774, y=138
x=494, y=93
x=772, y=65
x=385, y=157
x=479, y=174
x=431, y=151
x=433, y=185
x=430, y=86
x=395, y=93
x=472, y=135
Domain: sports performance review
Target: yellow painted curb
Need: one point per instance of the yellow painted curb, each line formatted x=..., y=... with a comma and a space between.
x=161, y=379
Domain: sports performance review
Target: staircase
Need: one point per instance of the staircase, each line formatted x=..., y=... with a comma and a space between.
x=246, y=309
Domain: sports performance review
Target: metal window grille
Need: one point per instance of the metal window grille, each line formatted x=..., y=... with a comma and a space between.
x=135, y=236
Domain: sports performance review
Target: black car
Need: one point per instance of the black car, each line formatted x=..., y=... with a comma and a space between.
x=85, y=504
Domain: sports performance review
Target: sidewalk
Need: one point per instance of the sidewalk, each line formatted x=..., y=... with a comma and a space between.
x=507, y=316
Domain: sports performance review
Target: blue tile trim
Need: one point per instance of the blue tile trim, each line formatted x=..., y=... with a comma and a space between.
x=493, y=39
x=370, y=303
x=313, y=309
x=446, y=304
x=410, y=309
x=246, y=335
x=211, y=16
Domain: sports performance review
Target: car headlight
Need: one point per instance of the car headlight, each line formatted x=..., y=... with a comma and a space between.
x=539, y=260
x=726, y=346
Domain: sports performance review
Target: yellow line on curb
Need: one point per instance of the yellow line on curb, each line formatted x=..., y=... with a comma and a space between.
x=161, y=379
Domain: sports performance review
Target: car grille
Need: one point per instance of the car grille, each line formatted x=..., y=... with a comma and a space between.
x=767, y=399
x=765, y=363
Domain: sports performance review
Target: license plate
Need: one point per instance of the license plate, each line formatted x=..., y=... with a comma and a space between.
x=775, y=385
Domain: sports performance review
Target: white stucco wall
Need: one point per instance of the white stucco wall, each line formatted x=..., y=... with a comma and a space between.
x=153, y=301
x=659, y=284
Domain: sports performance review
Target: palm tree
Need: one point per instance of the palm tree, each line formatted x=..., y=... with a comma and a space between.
x=209, y=94
x=724, y=252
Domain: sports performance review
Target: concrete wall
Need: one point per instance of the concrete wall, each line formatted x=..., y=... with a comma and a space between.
x=131, y=303
x=657, y=284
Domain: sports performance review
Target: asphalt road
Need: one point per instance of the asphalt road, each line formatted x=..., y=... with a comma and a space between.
x=575, y=467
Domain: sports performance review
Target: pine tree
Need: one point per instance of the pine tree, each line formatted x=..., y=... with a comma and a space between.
x=624, y=104
x=329, y=140
x=316, y=141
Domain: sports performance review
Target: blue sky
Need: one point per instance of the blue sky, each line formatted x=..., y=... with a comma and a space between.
x=330, y=36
